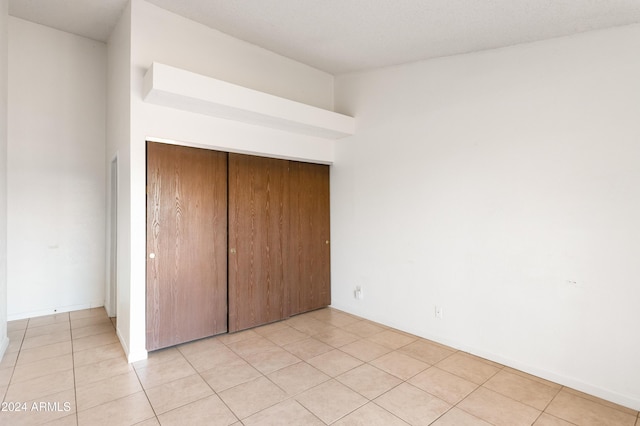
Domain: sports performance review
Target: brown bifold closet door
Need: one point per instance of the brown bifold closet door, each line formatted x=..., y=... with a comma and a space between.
x=186, y=244
x=257, y=237
x=308, y=252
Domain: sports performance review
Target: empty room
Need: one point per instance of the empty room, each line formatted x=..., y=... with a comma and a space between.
x=312, y=212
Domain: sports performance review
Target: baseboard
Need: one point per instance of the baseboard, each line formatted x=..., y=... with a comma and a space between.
x=131, y=356
x=55, y=310
x=571, y=382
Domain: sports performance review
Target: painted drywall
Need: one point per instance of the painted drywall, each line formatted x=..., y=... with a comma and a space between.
x=4, y=14
x=117, y=146
x=501, y=186
x=56, y=175
x=161, y=36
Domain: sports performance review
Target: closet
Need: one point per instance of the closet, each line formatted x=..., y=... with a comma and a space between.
x=233, y=241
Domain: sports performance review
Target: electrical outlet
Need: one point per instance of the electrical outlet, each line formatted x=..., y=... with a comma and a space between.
x=358, y=293
x=438, y=312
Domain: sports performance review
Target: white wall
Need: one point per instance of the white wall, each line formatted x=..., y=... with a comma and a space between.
x=161, y=36
x=56, y=176
x=4, y=14
x=484, y=183
x=118, y=133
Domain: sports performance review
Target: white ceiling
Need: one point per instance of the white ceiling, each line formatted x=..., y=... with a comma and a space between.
x=341, y=36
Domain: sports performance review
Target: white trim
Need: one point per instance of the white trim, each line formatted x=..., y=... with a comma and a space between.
x=177, y=88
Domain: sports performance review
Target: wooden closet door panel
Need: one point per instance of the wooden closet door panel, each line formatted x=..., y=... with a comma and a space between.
x=186, y=244
x=308, y=255
x=256, y=239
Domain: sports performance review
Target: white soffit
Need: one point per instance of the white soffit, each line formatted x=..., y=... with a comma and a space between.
x=177, y=88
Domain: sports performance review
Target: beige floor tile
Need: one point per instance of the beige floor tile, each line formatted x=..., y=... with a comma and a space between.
x=202, y=346
x=400, y=365
x=177, y=393
x=444, y=385
x=336, y=337
x=334, y=317
x=298, y=378
x=285, y=335
x=40, y=386
x=231, y=374
x=365, y=350
x=17, y=325
x=88, y=313
x=46, y=329
x=369, y=381
x=364, y=328
x=91, y=373
x=159, y=374
x=17, y=335
x=457, y=417
x=93, y=341
x=578, y=410
x=286, y=413
x=42, y=410
x=9, y=360
x=28, y=356
x=392, y=339
x=5, y=376
x=468, y=368
x=99, y=353
x=425, y=351
x=601, y=401
x=412, y=405
x=308, y=348
x=158, y=357
x=207, y=411
x=271, y=360
x=14, y=344
x=263, y=330
x=251, y=346
x=522, y=389
x=370, y=415
x=48, y=319
x=214, y=357
x=334, y=362
x=129, y=410
x=112, y=388
x=90, y=322
x=549, y=420
x=308, y=325
x=153, y=421
x=498, y=409
x=331, y=401
x=484, y=360
x=237, y=337
x=532, y=377
x=46, y=339
x=43, y=367
x=249, y=398
x=91, y=330
x=69, y=420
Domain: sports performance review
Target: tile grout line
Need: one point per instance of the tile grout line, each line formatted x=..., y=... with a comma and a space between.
x=204, y=380
x=73, y=366
x=15, y=364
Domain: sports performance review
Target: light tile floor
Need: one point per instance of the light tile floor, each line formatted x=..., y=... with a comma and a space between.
x=323, y=367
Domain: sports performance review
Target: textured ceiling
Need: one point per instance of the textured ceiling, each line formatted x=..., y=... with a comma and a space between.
x=340, y=36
